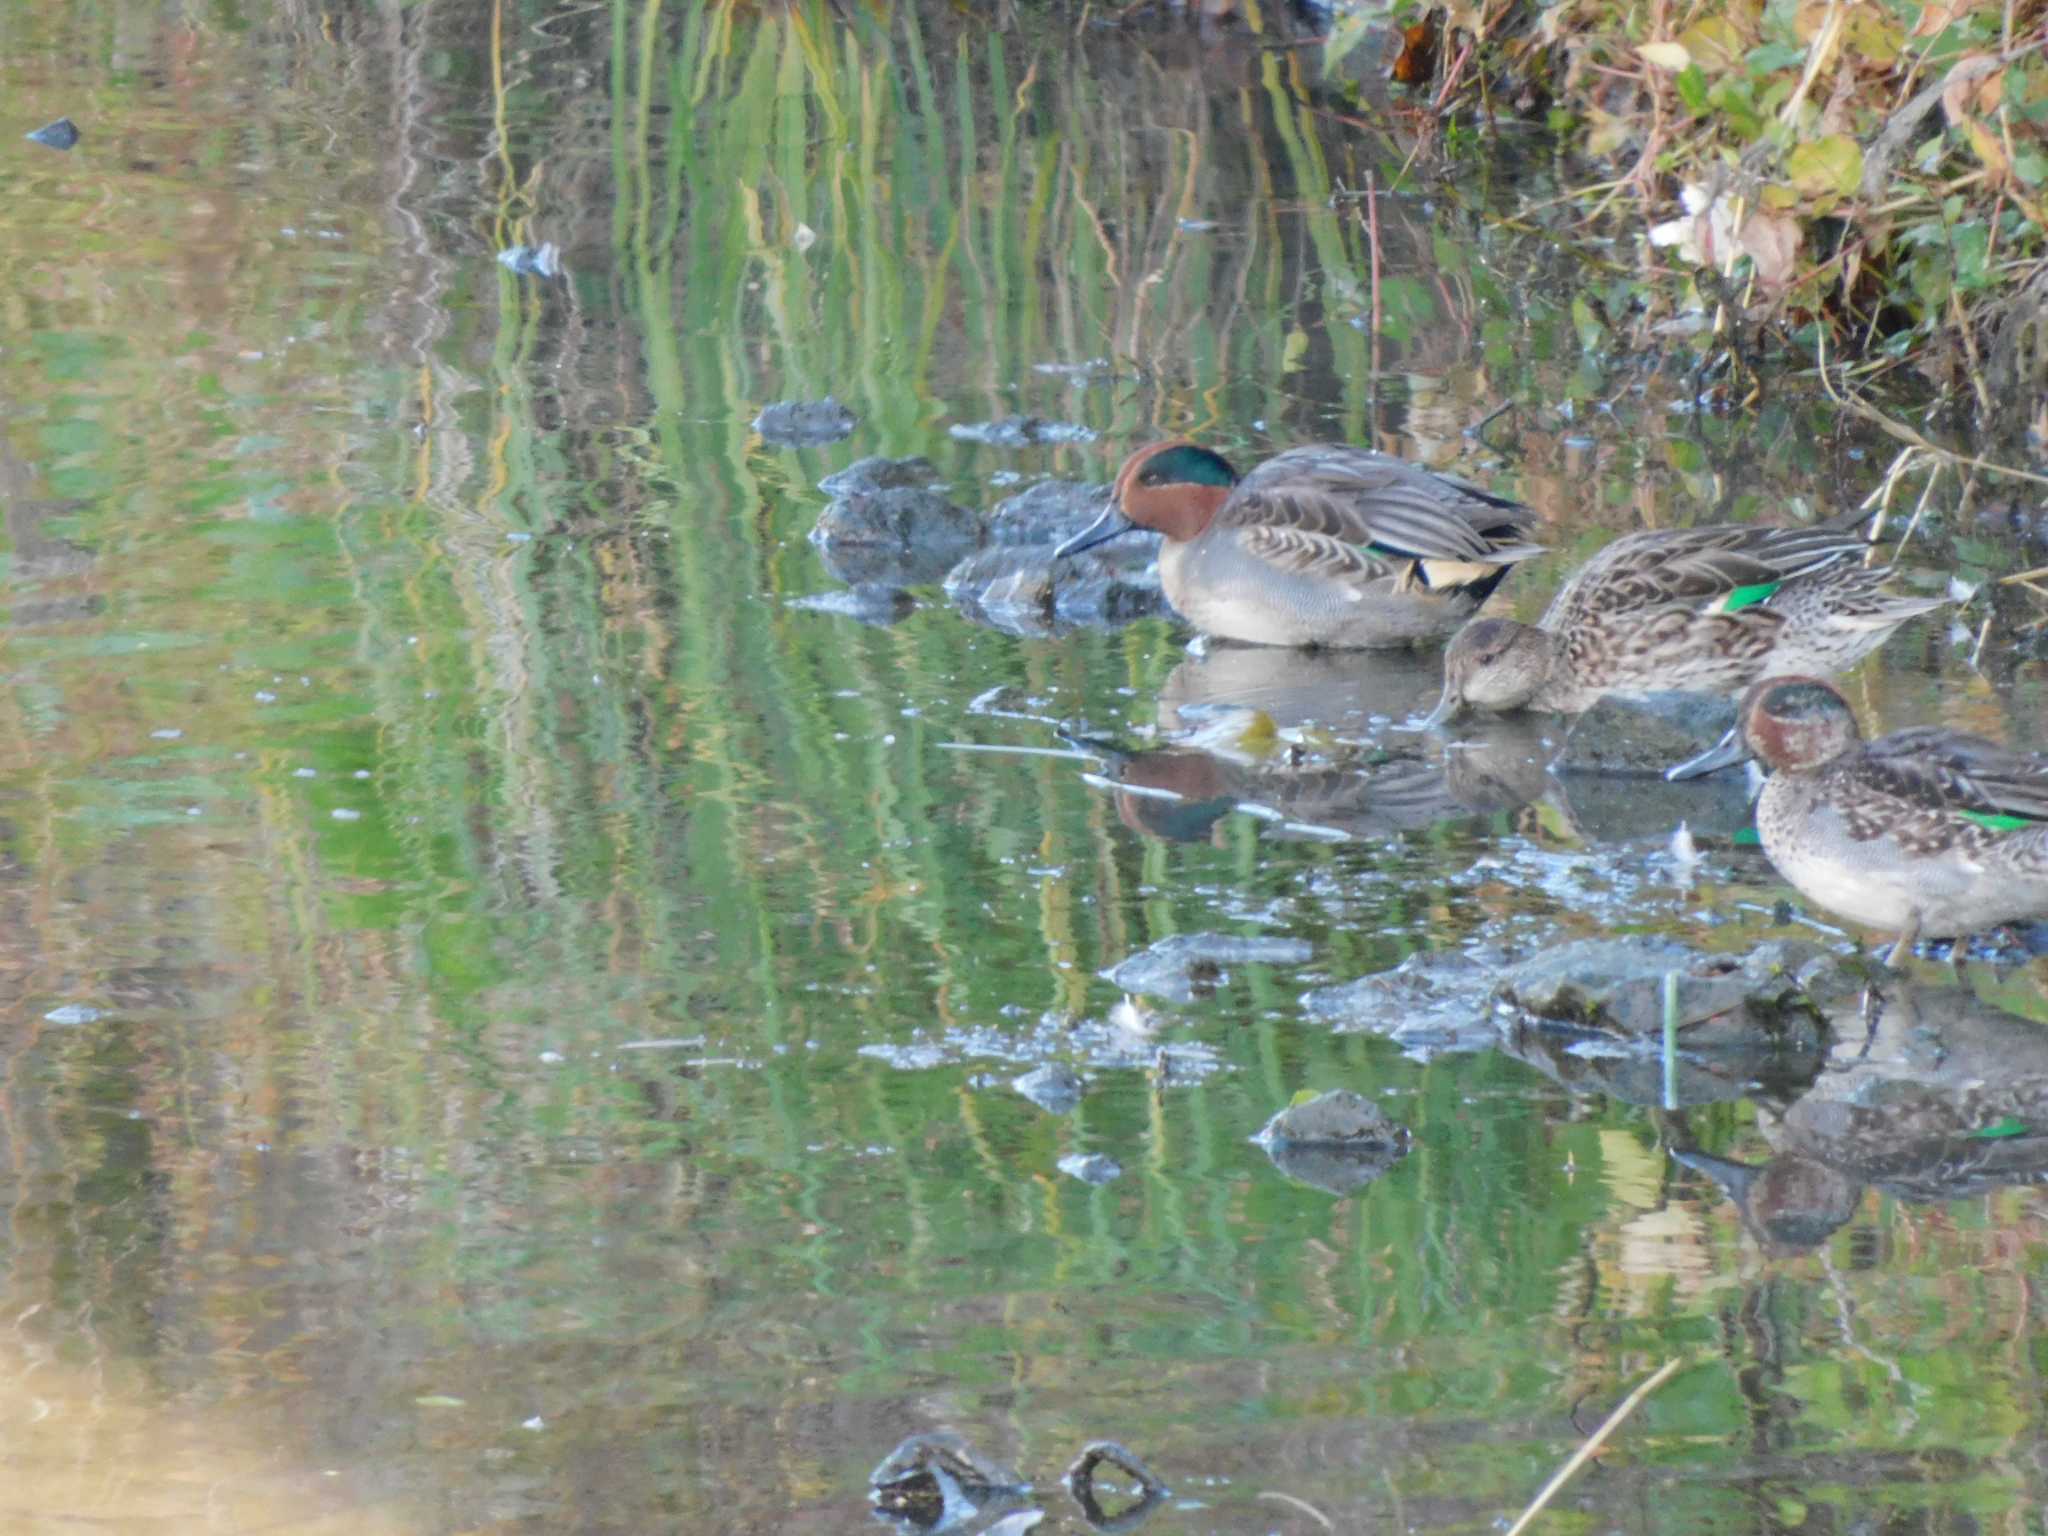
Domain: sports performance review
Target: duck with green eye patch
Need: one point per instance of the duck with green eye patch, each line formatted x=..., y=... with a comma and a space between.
x=1926, y=831
x=1324, y=545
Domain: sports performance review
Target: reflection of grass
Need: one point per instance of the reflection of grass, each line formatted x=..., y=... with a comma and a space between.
x=621, y=791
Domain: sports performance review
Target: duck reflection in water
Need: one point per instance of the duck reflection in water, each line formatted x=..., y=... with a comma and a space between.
x=1936, y=1095
x=1291, y=739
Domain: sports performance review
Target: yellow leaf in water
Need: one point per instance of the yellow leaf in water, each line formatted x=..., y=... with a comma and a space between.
x=1259, y=736
x=1671, y=56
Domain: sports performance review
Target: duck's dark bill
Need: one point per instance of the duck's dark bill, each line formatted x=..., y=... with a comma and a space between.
x=1112, y=524
x=1725, y=753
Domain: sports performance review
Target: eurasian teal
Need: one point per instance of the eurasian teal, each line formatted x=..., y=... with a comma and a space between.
x=1318, y=546
x=1925, y=831
x=1702, y=610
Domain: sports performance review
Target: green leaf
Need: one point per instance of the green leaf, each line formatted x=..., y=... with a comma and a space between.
x=1692, y=88
x=2030, y=165
x=1833, y=164
x=1587, y=324
x=1772, y=57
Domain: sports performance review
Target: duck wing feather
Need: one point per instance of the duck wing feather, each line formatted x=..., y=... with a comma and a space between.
x=1931, y=766
x=1693, y=567
x=1367, y=498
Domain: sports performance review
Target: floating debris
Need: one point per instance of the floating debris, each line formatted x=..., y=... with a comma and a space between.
x=1190, y=964
x=1020, y=432
x=61, y=134
x=804, y=423
x=1055, y=1087
x=1092, y=1169
x=1086, y=372
x=879, y=606
x=532, y=261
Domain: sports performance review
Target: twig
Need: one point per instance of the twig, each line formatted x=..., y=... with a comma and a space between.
x=1919, y=506
x=1372, y=227
x=1451, y=81
x=1301, y=1504
x=1900, y=432
x=1587, y=1451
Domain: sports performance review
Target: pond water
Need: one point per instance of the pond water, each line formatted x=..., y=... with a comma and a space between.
x=511, y=1009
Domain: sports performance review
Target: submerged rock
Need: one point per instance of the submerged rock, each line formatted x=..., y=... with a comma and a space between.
x=905, y=536
x=1433, y=1000
x=1080, y=1481
x=879, y=606
x=803, y=423
x=1020, y=591
x=1020, y=432
x=1618, y=985
x=875, y=473
x=1055, y=1087
x=939, y=1481
x=1013, y=585
x=1646, y=734
x=1050, y=513
x=1188, y=964
x=1335, y=1141
x=62, y=134
x=1594, y=1009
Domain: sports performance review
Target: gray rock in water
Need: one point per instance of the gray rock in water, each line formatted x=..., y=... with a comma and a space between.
x=904, y=537
x=61, y=134
x=1050, y=512
x=1020, y=432
x=1092, y=1169
x=801, y=423
x=1335, y=1141
x=1432, y=1000
x=1337, y=1118
x=1019, y=590
x=1646, y=734
x=1055, y=1087
x=875, y=473
x=1618, y=984
x=940, y=1482
x=1180, y=967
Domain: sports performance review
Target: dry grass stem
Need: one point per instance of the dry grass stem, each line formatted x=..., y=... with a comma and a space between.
x=1593, y=1443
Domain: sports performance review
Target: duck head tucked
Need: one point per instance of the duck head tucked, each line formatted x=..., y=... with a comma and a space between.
x=1174, y=488
x=1494, y=664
